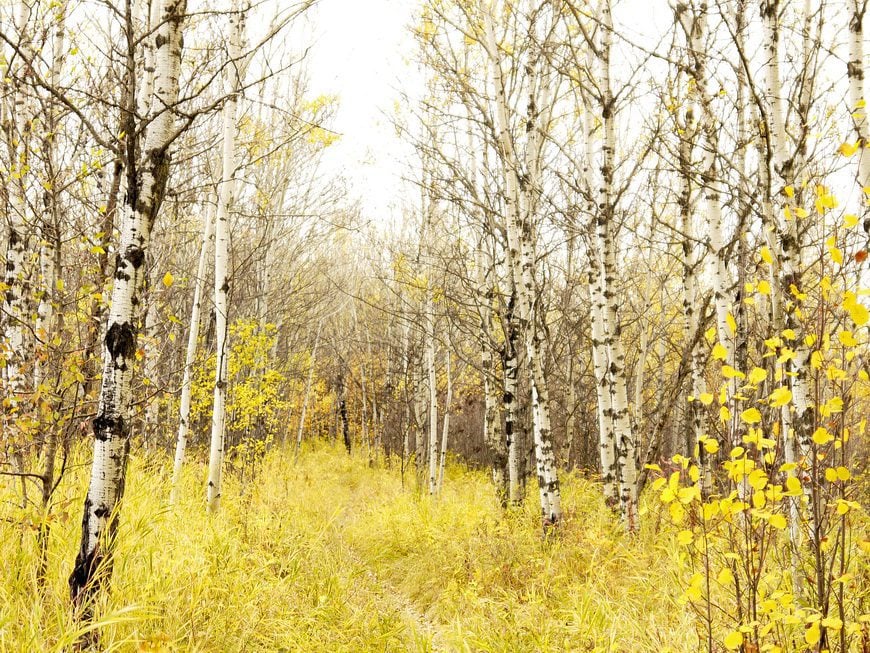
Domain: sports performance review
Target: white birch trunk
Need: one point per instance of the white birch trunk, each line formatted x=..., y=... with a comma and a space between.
x=149, y=13
x=601, y=371
x=308, y=384
x=600, y=354
x=112, y=424
x=858, y=107
x=190, y=354
x=48, y=251
x=510, y=371
x=623, y=436
x=152, y=354
x=521, y=261
x=433, y=391
x=14, y=316
x=445, y=430
x=789, y=245
x=221, y=279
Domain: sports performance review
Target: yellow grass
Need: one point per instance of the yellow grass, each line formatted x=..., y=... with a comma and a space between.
x=330, y=555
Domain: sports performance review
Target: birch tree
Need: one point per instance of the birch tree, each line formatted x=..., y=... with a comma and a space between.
x=190, y=353
x=146, y=187
x=520, y=202
x=235, y=72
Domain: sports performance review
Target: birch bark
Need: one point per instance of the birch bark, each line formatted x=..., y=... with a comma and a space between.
x=17, y=278
x=112, y=424
x=221, y=276
x=520, y=233
x=308, y=384
x=858, y=106
x=624, y=438
x=445, y=430
x=190, y=353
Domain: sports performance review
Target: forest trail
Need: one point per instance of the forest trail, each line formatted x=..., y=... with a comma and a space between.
x=329, y=555
x=372, y=590
x=420, y=632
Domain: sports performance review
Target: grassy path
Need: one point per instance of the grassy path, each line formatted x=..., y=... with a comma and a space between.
x=330, y=556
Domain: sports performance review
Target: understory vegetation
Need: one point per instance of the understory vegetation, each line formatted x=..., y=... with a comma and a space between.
x=330, y=554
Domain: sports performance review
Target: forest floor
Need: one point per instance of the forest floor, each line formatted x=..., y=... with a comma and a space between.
x=328, y=554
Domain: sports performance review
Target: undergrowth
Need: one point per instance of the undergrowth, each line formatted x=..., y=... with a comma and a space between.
x=331, y=555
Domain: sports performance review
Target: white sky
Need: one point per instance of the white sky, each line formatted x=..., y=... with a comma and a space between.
x=362, y=53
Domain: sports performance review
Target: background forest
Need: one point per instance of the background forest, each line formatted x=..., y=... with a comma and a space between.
x=597, y=382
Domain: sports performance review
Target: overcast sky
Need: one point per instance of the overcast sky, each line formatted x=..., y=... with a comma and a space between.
x=362, y=53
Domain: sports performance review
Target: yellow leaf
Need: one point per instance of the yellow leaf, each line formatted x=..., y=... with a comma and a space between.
x=848, y=149
x=766, y=256
x=688, y=494
x=850, y=220
x=821, y=436
x=801, y=212
x=711, y=445
x=836, y=255
x=677, y=512
x=831, y=475
x=757, y=375
x=789, y=190
x=710, y=510
x=733, y=640
x=858, y=313
x=732, y=323
x=705, y=398
x=168, y=279
x=813, y=635
x=59, y=285
x=843, y=474
x=833, y=623
x=685, y=537
x=780, y=397
x=725, y=577
x=729, y=372
x=778, y=521
x=719, y=352
x=710, y=334
x=724, y=414
x=757, y=478
x=751, y=416
x=758, y=500
x=793, y=487
x=763, y=287
x=847, y=339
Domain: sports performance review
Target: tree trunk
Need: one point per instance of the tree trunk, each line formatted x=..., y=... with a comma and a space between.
x=521, y=260
x=858, y=109
x=433, y=390
x=190, y=354
x=112, y=424
x=342, y=411
x=221, y=274
x=446, y=426
x=307, y=391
